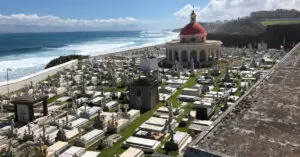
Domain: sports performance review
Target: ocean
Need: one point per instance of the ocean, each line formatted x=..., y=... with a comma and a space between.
x=27, y=53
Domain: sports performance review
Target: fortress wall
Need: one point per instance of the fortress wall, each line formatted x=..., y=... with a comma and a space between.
x=17, y=84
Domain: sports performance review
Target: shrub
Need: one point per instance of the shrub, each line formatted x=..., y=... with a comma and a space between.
x=171, y=146
x=64, y=59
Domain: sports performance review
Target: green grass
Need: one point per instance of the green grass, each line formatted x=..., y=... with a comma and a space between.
x=130, y=129
x=268, y=23
x=51, y=100
x=187, y=110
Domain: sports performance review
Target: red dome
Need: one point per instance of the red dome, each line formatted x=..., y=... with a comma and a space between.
x=193, y=28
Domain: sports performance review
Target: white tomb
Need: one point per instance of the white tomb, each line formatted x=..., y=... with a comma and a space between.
x=147, y=145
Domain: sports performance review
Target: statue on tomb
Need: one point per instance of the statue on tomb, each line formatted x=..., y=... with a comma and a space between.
x=30, y=135
x=170, y=109
x=9, y=151
x=12, y=132
x=85, y=113
x=26, y=88
x=61, y=135
x=156, y=75
x=12, y=124
x=31, y=85
x=192, y=67
x=79, y=132
x=74, y=108
x=29, y=127
x=126, y=108
x=99, y=122
x=112, y=125
x=44, y=131
x=114, y=94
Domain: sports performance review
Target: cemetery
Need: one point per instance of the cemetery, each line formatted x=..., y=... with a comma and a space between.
x=126, y=104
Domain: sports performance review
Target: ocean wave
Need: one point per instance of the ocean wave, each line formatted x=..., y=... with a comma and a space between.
x=35, y=58
x=24, y=63
x=90, y=48
x=28, y=49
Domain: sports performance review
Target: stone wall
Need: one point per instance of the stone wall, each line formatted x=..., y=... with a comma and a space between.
x=17, y=84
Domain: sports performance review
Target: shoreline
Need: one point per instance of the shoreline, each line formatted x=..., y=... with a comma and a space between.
x=126, y=52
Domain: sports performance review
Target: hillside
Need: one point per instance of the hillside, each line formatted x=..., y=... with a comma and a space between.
x=240, y=26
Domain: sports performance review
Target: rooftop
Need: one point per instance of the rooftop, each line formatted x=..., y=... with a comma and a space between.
x=268, y=126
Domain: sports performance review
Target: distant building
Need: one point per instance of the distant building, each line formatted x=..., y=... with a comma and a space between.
x=274, y=14
x=143, y=93
x=149, y=63
x=193, y=45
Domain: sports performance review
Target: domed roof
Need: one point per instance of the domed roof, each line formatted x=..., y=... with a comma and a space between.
x=192, y=29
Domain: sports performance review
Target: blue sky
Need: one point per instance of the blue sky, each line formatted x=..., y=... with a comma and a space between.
x=92, y=9
x=80, y=15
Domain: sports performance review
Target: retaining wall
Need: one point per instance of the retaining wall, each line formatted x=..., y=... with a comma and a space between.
x=17, y=84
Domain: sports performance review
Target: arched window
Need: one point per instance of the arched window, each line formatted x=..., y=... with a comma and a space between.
x=183, y=39
x=138, y=93
x=193, y=39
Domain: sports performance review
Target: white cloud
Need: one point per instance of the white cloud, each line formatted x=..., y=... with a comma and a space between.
x=23, y=22
x=231, y=9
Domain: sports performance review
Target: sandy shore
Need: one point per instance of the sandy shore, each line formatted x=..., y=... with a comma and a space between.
x=129, y=52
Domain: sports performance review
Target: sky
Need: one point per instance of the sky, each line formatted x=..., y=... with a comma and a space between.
x=94, y=15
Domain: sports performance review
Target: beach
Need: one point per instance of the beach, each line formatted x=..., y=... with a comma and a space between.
x=26, y=54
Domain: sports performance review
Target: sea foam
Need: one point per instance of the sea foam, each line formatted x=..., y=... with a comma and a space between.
x=23, y=64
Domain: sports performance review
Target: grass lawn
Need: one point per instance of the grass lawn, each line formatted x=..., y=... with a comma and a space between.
x=51, y=100
x=268, y=23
